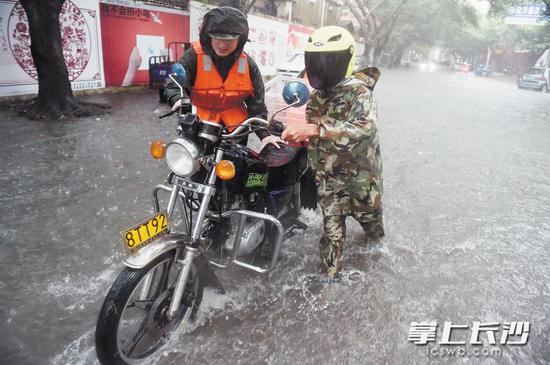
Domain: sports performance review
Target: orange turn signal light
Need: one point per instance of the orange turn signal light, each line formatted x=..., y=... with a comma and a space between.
x=225, y=170
x=158, y=149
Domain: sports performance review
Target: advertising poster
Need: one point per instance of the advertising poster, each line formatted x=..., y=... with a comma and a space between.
x=268, y=43
x=81, y=42
x=297, y=39
x=132, y=33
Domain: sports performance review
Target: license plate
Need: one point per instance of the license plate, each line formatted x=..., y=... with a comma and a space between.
x=146, y=232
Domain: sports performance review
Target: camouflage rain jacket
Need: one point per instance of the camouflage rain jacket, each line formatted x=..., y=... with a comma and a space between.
x=346, y=155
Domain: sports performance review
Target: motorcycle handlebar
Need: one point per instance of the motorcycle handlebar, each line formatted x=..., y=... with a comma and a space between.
x=246, y=123
x=278, y=127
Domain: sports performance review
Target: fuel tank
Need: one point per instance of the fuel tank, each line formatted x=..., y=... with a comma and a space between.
x=272, y=169
x=285, y=165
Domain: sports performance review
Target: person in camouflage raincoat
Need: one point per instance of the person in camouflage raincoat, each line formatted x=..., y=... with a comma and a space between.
x=343, y=148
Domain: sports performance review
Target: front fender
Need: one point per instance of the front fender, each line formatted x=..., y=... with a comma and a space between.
x=142, y=257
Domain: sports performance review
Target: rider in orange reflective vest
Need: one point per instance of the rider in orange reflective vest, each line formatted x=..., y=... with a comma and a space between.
x=224, y=83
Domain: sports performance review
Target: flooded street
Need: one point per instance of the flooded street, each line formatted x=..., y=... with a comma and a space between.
x=467, y=207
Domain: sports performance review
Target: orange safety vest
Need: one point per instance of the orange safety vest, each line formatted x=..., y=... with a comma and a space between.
x=217, y=100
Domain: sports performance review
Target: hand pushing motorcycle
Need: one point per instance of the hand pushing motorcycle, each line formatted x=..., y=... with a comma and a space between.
x=235, y=207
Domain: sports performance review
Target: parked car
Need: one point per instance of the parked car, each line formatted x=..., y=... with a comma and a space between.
x=293, y=67
x=483, y=70
x=534, y=78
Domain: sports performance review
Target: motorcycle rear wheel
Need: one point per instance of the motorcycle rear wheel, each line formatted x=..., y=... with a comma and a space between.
x=116, y=341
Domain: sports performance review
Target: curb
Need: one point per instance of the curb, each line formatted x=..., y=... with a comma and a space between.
x=77, y=93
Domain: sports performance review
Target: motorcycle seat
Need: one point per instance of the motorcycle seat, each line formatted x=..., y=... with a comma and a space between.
x=275, y=157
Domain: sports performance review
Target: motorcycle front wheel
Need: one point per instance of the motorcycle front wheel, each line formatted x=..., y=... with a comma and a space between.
x=133, y=324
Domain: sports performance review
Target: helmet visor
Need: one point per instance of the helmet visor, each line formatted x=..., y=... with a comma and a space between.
x=223, y=36
x=326, y=69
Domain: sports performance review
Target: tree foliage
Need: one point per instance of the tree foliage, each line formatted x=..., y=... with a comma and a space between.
x=376, y=23
x=498, y=8
x=393, y=26
x=493, y=33
x=432, y=23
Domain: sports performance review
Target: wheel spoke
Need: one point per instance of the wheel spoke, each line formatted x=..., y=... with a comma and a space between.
x=136, y=340
x=142, y=300
x=143, y=339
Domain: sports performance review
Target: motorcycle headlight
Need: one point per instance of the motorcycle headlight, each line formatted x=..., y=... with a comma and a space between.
x=182, y=157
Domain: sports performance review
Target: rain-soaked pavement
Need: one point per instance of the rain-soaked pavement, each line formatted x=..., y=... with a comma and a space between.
x=467, y=202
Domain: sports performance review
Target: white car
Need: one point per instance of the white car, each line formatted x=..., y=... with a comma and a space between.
x=427, y=66
x=293, y=67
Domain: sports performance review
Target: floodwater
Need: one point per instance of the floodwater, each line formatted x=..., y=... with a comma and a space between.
x=467, y=202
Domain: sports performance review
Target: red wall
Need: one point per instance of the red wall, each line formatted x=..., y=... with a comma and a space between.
x=119, y=27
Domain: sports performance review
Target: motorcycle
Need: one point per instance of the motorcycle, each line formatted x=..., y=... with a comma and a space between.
x=235, y=208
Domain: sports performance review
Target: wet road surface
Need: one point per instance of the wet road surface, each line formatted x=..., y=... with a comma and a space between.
x=467, y=202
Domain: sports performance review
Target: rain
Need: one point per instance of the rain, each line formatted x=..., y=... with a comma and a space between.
x=466, y=202
x=464, y=127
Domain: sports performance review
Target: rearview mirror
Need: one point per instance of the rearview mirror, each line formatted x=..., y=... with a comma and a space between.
x=295, y=94
x=180, y=74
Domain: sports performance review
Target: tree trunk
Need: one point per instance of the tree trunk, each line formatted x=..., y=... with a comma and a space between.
x=377, y=55
x=247, y=6
x=55, y=96
x=369, y=53
x=397, y=56
x=489, y=55
x=54, y=89
x=383, y=39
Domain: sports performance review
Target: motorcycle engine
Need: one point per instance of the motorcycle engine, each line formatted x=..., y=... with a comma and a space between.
x=253, y=235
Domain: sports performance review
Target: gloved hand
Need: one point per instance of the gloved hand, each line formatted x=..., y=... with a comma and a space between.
x=276, y=127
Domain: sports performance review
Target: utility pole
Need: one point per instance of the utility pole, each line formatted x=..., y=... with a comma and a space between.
x=323, y=6
x=290, y=12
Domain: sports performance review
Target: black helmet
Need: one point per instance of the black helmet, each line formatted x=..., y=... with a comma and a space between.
x=226, y=23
